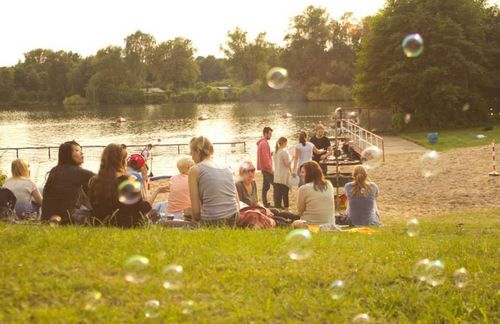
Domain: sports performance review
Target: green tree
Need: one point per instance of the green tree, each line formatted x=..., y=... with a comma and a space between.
x=139, y=48
x=174, y=63
x=6, y=84
x=211, y=68
x=248, y=61
x=107, y=82
x=306, y=53
x=452, y=71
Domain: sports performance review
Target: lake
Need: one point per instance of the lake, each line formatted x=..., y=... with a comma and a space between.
x=156, y=124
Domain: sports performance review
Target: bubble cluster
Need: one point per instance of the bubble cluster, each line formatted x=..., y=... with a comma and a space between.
x=299, y=244
x=92, y=300
x=460, y=277
x=152, y=308
x=413, y=227
x=172, y=277
x=413, y=45
x=430, y=164
x=372, y=157
x=337, y=289
x=136, y=269
x=361, y=318
x=277, y=78
x=55, y=221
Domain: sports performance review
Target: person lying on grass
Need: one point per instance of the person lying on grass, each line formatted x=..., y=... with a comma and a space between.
x=315, y=203
x=111, y=207
x=214, y=199
x=361, y=197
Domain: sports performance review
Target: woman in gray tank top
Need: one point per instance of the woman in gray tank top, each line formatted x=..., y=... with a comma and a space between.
x=214, y=200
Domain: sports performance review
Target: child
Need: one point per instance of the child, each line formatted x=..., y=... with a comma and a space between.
x=178, y=199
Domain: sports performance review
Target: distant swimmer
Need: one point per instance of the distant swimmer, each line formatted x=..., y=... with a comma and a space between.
x=202, y=117
x=120, y=120
x=286, y=115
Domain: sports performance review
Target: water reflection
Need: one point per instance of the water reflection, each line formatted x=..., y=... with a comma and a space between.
x=156, y=124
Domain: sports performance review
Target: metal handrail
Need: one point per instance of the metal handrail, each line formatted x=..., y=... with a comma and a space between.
x=361, y=137
x=49, y=148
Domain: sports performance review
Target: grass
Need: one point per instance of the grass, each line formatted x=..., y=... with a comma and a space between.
x=450, y=139
x=246, y=276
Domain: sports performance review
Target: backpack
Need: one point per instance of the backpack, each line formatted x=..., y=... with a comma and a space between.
x=7, y=203
x=256, y=217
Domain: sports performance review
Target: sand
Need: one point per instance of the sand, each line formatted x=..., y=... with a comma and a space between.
x=462, y=184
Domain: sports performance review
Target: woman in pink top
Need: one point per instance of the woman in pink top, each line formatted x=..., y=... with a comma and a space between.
x=178, y=198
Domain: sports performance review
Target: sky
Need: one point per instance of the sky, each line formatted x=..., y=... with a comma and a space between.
x=85, y=26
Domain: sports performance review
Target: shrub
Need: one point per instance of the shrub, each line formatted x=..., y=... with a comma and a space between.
x=75, y=100
x=329, y=92
x=215, y=95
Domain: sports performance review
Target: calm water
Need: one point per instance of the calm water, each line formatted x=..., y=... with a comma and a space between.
x=156, y=124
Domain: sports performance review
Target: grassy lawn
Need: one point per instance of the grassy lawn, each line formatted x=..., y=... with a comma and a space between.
x=246, y=276
x=450, y=139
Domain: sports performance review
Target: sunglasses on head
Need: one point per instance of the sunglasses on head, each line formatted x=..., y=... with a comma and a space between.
x=251, y=170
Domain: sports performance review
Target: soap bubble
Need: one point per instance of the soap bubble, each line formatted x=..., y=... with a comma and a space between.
x=420, y=270
x=435, y=273
x=299, y=244
x=430, y=164
x=413, y=45
x=412, y=227
x=92, y=300
x=372, y=157
x=55, y=220
x=277, y=77
x=172, y=277
x=361, y=318
x=460, y=277
x=337, y=289
x=136, y=268
x=129, y=192
x=152, y=308
x=187, y=306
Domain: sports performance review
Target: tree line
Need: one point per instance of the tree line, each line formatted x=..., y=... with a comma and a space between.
x=326, y=59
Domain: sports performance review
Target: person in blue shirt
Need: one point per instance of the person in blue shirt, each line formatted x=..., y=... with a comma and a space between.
x=361, y=196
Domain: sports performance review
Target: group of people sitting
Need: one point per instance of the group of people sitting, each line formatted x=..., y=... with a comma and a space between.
x=202, y=194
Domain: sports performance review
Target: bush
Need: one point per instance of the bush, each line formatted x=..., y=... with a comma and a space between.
x=3, y=177
x=156, y=98
x=75, y=100
x=397, y=122
x=187, y=95
x=329, y=92
x=215, y=95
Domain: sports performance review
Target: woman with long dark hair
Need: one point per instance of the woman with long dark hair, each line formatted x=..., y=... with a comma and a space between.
x=114, y=195
x=315, y=203
x=361, y=196
x=66, y=184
